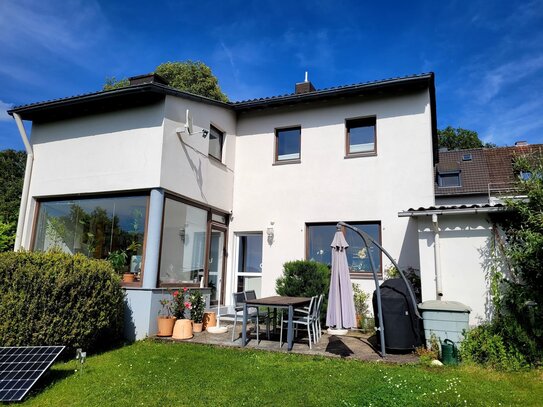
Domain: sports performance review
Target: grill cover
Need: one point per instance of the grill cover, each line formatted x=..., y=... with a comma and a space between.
x=403, y=329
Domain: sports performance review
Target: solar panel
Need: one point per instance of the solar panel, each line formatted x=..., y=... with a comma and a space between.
x=21, y=367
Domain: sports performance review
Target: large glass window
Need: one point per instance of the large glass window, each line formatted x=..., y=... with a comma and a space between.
x=361, y=136
x=94, y=227
x=320, y=237
x=287, y=144
x=182, y=259
x=216, y=141
x=249, y=275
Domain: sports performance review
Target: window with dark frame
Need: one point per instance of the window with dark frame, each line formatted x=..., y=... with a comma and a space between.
x=216, y=141
x=448, y=179
x=320, y=235
x=287, y=144
x=361, y=136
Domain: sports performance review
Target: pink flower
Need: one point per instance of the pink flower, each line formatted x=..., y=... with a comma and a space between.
x=175, y=293
x=188, y=305
x=185, y=289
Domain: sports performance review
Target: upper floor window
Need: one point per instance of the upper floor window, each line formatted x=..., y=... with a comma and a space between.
x=449, y=179
x=287, y=144
x=361, y=136
x=216, y=141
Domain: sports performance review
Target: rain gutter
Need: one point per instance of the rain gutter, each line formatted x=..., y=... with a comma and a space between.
x=466, y=211
x=26, y=183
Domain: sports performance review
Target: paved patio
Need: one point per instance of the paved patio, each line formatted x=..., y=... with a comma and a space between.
x=355, y=345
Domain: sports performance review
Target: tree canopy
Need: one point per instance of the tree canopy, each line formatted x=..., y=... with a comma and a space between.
x=188, y=76
x=460, y=139
x=12, y=168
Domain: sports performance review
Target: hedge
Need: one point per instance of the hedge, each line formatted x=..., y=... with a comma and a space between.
x=58, y=299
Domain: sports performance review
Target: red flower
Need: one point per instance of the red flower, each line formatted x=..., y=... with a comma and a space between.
x=175, y=293
x=185, y=289
x=188, y=305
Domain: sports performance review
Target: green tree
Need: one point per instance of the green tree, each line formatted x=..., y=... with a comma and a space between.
x=460, y=139
x=12, y=169
x=188, y=76
x=519, y=314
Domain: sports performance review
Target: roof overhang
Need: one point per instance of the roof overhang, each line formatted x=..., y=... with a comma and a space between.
x=453, y=210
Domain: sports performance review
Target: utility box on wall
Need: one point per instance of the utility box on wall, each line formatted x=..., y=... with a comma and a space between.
x=445, y=319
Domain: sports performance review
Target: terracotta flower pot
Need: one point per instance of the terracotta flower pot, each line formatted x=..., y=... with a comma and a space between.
x=197, y=327
x=182, y=329
x=165, y=326
x=210, y=319
x=129, y=277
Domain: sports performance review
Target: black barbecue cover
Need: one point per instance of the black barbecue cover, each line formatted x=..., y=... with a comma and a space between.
x=403, y=329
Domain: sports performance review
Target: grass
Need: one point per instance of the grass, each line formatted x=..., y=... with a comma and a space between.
x=151, y=373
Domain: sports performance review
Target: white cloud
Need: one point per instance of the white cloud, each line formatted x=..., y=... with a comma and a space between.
x=4, y=107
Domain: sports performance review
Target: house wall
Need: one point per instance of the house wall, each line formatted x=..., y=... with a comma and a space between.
x=186, y=167
x=110, y=152
x=326, y=186
x=465, y=244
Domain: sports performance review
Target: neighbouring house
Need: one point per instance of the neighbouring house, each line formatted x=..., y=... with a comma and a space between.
x=205, y=193
x=457, y=237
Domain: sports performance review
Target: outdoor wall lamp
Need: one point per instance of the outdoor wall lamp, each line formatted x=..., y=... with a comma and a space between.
x=270, y=232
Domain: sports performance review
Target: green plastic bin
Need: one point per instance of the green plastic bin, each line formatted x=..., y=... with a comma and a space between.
x=445, y=319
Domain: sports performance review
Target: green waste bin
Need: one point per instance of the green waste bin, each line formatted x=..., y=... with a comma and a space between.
x=445, y=319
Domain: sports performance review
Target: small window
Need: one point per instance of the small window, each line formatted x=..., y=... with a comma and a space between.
x=467, y=157
x=449, y=179
x=216, y=140
x=287, y=144
x=361, y=136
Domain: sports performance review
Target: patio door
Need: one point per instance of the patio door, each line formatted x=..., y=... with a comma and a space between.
x=216, y=262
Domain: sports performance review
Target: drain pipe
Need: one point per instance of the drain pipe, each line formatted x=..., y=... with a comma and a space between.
x=26, y=184
x=437, y=258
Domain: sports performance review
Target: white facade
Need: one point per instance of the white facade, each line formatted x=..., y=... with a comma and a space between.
x=146, y=149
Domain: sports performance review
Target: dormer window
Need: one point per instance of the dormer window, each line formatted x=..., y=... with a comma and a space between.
x=448, y=179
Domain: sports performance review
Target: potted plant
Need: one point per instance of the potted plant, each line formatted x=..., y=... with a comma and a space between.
x=360, y=304
x=183, y=326
x=135, y=245
x=197, y=309
x=118, y=260
x=165, y=320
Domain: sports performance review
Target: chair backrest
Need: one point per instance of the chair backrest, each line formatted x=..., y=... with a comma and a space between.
x=250, y=295
x=319, y=306
x=239, y=299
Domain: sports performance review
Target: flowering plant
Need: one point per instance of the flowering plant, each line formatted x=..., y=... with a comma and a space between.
x=166, y=310
x=197, y=306
x=181, y=303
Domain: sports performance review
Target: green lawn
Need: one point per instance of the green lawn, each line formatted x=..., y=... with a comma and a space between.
x=167, y=374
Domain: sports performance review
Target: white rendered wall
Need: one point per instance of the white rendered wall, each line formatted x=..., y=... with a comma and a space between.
x=465, y=241
x=325, y=186
x=115, y=151
x=186, y=167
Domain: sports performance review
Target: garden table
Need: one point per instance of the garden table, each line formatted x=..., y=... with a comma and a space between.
x=275, y=302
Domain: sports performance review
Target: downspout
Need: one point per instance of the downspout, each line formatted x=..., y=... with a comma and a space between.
x=26, y=183
x=437, y=258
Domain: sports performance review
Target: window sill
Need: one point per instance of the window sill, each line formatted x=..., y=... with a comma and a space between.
x=285, y=162
x=365, y=276
x=136, y=284
x=358, y=155
x=216, y=160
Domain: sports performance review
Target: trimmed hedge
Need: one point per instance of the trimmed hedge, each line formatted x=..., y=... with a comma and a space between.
x=58, y=299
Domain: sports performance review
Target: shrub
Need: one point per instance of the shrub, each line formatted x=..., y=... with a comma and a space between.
x=484, y=346
x=304, y=278
x=58, y=299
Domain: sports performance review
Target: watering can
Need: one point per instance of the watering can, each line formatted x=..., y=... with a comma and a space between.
x=449, y=352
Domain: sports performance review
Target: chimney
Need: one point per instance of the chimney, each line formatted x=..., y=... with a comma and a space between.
x=521, y=143
x=304, y=87
x=147, y=78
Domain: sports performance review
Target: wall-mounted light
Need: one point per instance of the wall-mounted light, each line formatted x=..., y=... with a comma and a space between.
x=182, y=233
x=271, y=233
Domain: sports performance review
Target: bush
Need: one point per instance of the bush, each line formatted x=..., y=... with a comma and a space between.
x=304, y=278
x=483, y=346
x=57, y=299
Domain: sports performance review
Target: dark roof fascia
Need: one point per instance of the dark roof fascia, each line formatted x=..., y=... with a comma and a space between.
x=151, y=91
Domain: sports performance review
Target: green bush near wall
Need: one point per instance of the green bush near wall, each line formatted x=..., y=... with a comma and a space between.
x=58, y=299
x=305, y=278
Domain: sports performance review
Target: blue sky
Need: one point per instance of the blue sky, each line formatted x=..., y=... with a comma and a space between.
x=487, y=55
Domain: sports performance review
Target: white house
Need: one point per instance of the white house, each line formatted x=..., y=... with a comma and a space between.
x=194, y=189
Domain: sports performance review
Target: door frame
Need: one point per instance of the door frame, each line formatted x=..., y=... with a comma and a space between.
x=212, y=225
